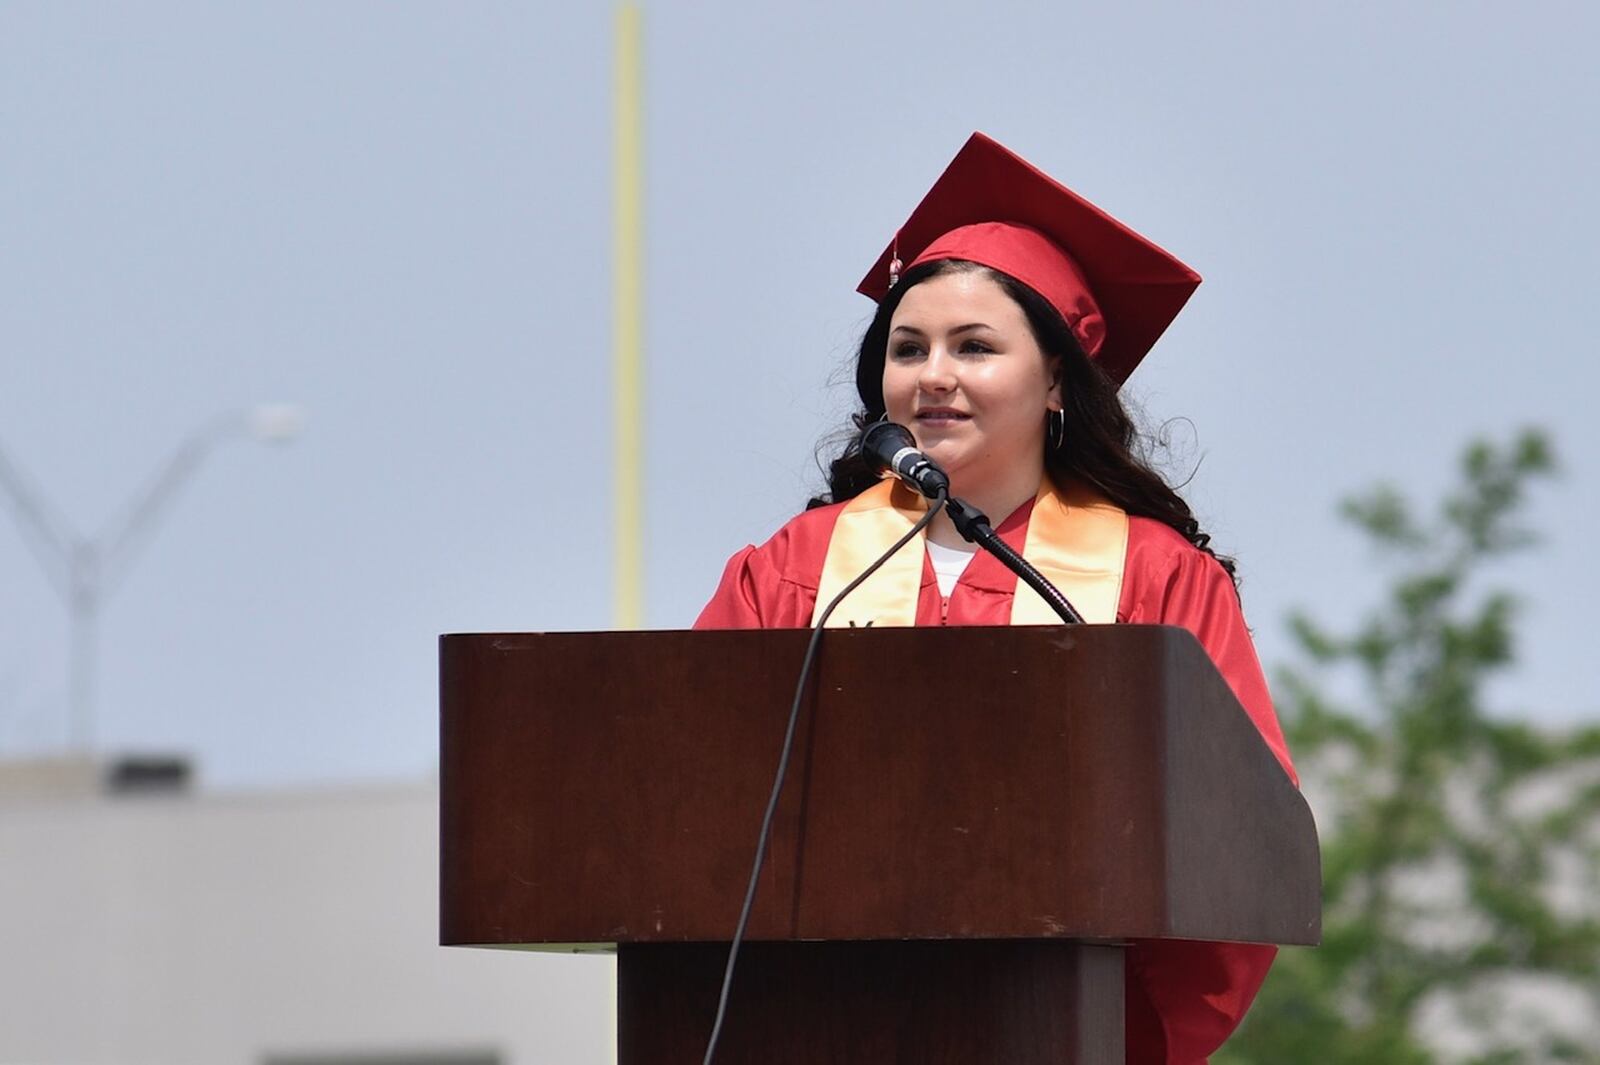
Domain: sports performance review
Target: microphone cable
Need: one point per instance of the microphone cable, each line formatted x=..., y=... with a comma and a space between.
x=935, y=505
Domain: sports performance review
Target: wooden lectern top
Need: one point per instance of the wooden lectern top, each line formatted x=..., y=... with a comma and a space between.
x=1093, y=782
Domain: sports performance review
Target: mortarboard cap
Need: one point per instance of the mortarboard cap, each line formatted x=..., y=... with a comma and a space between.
x=1117, y=291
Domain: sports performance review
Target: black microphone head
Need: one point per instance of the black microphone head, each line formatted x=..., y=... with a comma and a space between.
x=892, y=448
x=882, y=441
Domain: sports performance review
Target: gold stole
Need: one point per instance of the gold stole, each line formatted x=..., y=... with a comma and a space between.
x=1077, y=539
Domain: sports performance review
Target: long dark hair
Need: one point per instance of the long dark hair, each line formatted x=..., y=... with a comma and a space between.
x=1101, y=445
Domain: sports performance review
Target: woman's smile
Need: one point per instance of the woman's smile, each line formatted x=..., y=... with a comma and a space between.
x=941, y=416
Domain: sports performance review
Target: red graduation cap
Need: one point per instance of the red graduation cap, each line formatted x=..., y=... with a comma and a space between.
x=1117, y=291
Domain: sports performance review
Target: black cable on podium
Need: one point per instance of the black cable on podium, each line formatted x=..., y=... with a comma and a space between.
x=783, y=766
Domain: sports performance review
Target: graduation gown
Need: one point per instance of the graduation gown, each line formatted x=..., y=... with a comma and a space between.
x=1183, y=998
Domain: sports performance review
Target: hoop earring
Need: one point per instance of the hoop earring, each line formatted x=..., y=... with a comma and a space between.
x=1056, y=430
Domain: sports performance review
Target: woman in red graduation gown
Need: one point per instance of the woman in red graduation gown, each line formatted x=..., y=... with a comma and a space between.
x=1001, y=344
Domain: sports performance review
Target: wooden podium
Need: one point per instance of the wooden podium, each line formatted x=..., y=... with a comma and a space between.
x=975, y=821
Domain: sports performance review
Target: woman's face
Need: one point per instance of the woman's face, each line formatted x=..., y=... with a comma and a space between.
x=965, y=374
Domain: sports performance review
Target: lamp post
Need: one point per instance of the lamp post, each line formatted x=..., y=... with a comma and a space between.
x=85, y=570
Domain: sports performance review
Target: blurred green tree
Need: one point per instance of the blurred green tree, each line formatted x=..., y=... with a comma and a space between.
x=1461, y=851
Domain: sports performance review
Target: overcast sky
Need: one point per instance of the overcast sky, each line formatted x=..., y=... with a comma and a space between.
x=398, y=215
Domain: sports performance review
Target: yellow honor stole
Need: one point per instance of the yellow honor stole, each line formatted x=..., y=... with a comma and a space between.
x=1076, y=538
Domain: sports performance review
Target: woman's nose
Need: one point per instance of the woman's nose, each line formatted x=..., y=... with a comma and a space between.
x=938, y=373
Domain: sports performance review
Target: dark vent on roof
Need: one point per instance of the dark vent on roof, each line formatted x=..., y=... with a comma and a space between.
x=148, y=775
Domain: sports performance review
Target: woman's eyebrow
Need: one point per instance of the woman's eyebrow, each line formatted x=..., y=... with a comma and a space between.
x=969, y=327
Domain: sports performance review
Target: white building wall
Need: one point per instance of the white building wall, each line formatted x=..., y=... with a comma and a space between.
x=220, y=930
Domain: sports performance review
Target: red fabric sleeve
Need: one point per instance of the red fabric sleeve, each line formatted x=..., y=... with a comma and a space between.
x=737, y=601
x=774, y=586
x=1185, y=998
x=1201, y=598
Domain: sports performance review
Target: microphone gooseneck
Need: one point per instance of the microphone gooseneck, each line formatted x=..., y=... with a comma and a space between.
x=973, y=524
x=892, y=447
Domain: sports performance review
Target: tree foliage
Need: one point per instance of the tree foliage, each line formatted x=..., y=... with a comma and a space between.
x=1460, y=848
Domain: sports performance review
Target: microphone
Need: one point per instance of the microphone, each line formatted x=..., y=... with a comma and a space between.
x=892, y=447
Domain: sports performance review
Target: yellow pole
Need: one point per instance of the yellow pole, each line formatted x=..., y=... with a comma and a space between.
x=627, y=299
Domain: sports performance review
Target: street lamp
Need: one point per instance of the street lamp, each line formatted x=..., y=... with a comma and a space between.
x=85, y=570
